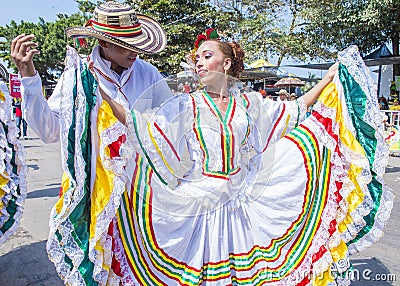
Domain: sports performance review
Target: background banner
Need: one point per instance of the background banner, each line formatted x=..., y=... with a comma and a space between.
x=15, y=86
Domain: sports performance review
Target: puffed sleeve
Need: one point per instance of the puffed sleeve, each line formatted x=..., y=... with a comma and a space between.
x=159, y=136
x=272, y=120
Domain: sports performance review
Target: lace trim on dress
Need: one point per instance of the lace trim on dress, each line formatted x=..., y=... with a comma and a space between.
x=72, y=197
x=352, y=60
x=15, y=189
x=128, y=278
x=101, y=238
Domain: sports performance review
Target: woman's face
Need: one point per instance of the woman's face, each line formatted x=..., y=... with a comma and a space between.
x=211, y=64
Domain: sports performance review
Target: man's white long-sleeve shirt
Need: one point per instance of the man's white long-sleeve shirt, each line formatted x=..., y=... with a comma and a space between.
x=140, y=87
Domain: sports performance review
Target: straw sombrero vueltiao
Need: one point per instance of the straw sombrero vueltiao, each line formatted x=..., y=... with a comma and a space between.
x=118, y=23
x=3, y=73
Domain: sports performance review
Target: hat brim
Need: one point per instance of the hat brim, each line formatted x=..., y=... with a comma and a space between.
x=152, y=40
x=3, y=73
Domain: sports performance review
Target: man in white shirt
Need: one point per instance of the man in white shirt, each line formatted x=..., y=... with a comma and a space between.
x=122, y=35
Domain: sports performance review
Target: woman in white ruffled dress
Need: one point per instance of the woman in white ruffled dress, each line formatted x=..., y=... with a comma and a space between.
x=226, y=189
x=233, y=190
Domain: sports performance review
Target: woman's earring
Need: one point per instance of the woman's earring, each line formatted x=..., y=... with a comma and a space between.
x=226, y=78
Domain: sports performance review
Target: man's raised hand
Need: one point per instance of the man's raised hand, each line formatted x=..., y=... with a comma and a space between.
x=23, y=50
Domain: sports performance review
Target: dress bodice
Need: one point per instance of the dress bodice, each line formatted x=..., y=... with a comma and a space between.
x=218, y=141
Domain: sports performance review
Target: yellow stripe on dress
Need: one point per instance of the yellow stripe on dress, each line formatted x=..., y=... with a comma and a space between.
x=158, y=149
x=3, y=181
x=104, y=182
x=64, y=186
x=2, y=96
x=329, y=98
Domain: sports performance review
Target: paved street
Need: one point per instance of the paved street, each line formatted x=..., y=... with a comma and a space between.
x=24, y=261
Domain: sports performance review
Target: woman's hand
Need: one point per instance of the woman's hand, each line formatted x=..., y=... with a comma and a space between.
x=332, y=71
x=311, y=96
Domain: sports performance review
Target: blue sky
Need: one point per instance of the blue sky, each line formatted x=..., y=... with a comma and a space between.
x=30, y=11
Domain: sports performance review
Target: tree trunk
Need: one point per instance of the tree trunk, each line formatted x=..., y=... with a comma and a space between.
x=395, y=47
x=280, y=59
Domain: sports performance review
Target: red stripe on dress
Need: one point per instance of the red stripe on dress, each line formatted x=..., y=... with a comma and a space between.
x=275, y=125
x=153, y=238
x=115, y=264
x=316, y=256
x=328, y=123
x=133, y=182
x=247, y=100
x=308, y=178
x=166, y=139
x=214, y=175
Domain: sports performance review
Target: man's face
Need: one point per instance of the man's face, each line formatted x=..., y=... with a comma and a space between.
x=119, y=57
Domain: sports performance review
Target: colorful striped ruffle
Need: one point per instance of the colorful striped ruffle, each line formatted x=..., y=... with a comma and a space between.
x=78, y=243
x=68, y=244
x=13, y=169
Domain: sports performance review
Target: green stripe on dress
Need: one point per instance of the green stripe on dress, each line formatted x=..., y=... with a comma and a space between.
x=365, y=134
x=11, y=207
x=80, y=216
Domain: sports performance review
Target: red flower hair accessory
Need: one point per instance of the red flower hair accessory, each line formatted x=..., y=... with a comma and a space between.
x=210, y=34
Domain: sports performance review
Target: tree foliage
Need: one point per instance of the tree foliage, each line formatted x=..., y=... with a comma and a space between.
x=273, y=31
x=368, y=24
x=51, y=40
x=297, y=29
x=311, y=29
x=182, y=20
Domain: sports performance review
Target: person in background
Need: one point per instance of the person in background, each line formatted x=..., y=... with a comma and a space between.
x=282, y=95
x=395, y=105
x=262, y=92
x=298, y=91
x=268, y=97
x=395, y=117
x=383, y=103
x=19, y=119
x=292, y=96
x=186, y=88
